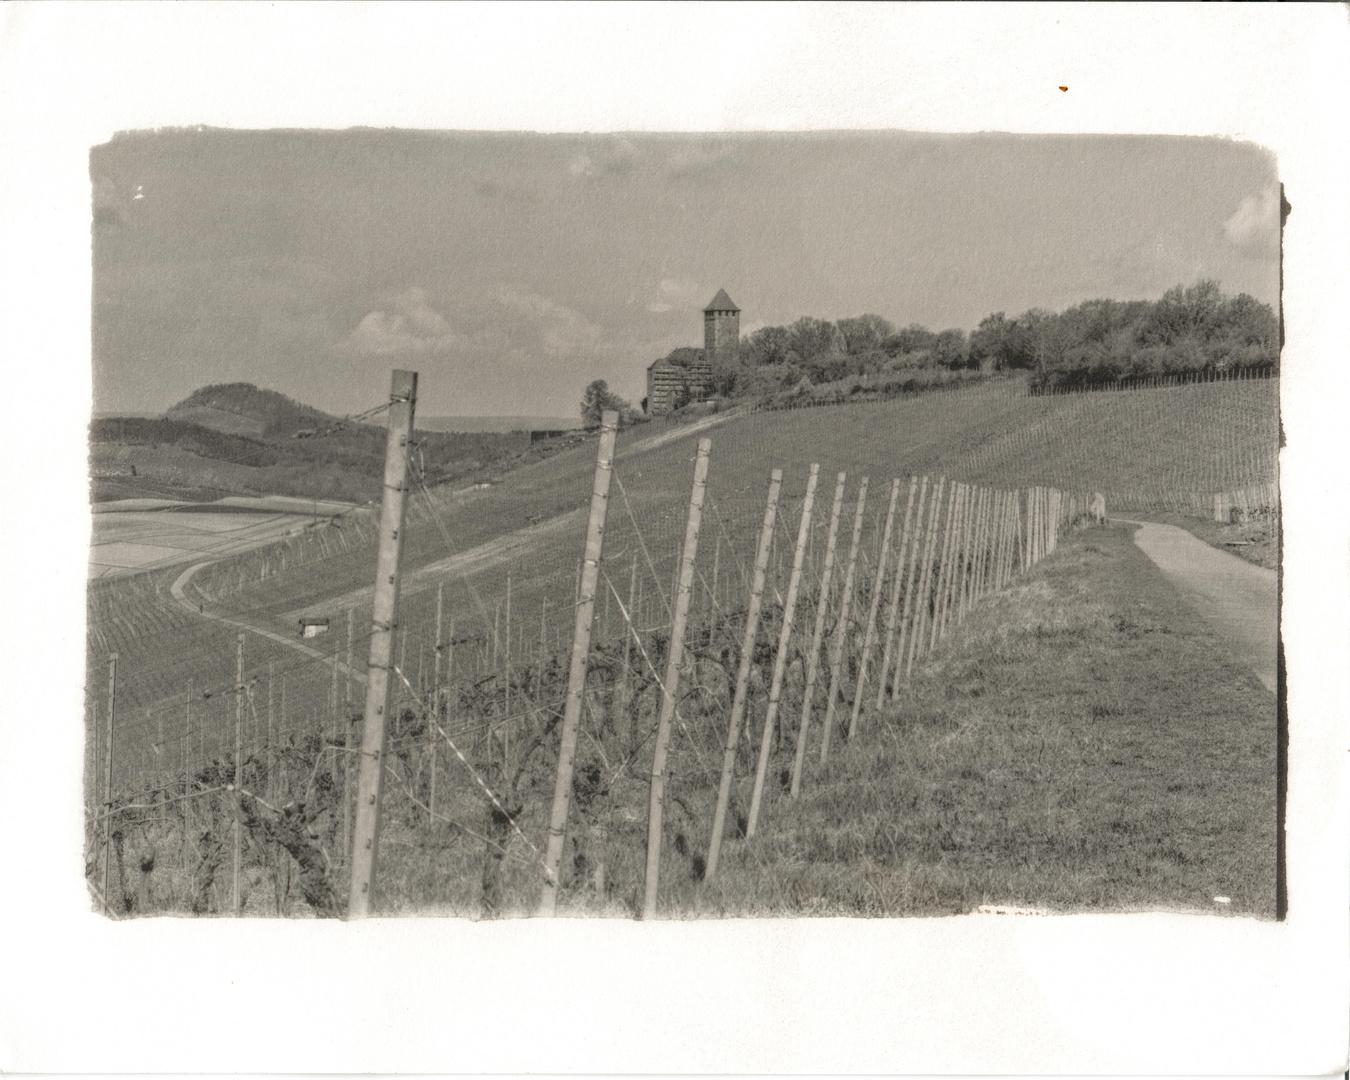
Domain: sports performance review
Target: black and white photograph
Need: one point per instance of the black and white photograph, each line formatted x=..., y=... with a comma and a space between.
x=802, y=538
x=866, y=524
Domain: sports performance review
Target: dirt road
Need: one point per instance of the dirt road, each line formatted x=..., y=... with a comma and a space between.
x=1235, y=596
x=177, y=589
x=512, y=545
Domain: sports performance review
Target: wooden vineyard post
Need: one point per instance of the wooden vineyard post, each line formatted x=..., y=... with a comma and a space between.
x=670, y=686
x=909, y=603
x=383, y=618
x=922, y=598
x=506, y=692
x=813, y=654
x=743, y=673
x=896, y=584
x=335, y=705
x=1037, y=526
x=187, y=772
x=999, y=540
x=1029, y=543
x=712, y=606
x=1042, y=530
x=945, y=567
x=966, y=540
x=981, y=548
x=238, y=768
x=625, y=686
x=956, y=548
x=435, y=705
x=841, y=631
x=869, y=635
x=576, y=675
x=989, y=575
x=976, y=535
x=271, y=757
x=781, y=658
x=1006, y=561
x=961, y=559
x=108, y=776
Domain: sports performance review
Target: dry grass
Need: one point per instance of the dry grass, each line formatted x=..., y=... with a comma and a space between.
x=1083, y=743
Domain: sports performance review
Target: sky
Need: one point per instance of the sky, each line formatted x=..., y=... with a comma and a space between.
x=511, y=269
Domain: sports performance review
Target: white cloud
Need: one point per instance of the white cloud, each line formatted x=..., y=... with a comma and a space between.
x=407, y=325
x=683, y=293
x=1255, y=225
x=562, y=331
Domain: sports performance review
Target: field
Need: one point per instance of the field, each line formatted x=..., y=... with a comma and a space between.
x=136, y=535
x=512, y=612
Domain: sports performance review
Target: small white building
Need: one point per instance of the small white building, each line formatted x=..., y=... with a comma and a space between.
x=312, y=627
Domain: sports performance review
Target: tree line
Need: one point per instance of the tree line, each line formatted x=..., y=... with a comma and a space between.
x=1195, y=328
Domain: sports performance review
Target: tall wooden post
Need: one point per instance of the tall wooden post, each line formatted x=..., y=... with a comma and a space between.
x=841, y=631
x=238, y=766
x=335, y=705
x=1005, y=539
x=781, y=657
x=506, y=692
x=909, y=612
x=670, y=686
x=980, y=545
x=626, y=677
x=576, y=676
x=869, y=635
x=813, y=654
x=894, y=604
x=366, y=834
x=894, y=609
x=944, y=569
x=108, y=776
x=923, y=598
x=271, y=756
x=187, y=773
x=712, y=605
x=435, y=704
x=743, y=674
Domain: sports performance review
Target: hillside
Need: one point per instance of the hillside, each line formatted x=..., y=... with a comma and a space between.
x=1134, y=446
x=490, y=576
x=238, y=439
x=244, y=409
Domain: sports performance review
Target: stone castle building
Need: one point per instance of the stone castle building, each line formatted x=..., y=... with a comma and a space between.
x=668, y=382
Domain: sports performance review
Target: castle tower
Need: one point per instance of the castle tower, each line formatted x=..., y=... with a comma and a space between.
x=721, y=329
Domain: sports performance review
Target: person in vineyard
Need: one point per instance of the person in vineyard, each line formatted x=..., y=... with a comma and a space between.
x=1098, y=508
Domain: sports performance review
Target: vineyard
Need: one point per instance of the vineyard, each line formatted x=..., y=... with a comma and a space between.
x=840, y=548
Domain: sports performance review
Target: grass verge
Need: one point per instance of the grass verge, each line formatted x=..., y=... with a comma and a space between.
x=1083, y=743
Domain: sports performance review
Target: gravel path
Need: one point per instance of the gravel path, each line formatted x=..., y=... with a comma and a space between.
x=1237, y=597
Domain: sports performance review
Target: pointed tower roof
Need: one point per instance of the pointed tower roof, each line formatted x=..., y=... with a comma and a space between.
x=721, y=302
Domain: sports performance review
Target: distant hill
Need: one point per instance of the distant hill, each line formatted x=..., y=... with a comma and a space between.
x=244, y=409
x=236, y=438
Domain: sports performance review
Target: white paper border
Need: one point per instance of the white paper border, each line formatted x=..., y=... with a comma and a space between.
x=1080, y=994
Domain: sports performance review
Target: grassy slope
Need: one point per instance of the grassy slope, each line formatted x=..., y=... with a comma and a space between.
x=1102, y=761
x=1083, y=742
x=987, y=433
